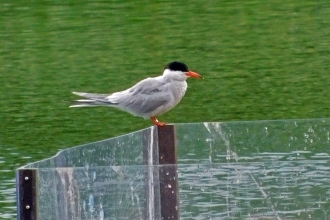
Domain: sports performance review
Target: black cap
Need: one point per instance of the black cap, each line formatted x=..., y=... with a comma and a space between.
x=177, y=66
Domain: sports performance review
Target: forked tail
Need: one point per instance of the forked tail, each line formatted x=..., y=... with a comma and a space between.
x=92, y=99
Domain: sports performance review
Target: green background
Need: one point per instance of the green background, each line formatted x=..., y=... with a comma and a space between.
x=260, y=60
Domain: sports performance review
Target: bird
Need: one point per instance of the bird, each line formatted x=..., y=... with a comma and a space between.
x=148, y=98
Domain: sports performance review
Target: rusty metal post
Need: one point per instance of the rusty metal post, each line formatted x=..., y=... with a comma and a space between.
x=27, y=194
x=161, y=175
x=168, y=175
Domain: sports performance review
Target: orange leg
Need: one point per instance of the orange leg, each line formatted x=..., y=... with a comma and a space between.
x=156, y=122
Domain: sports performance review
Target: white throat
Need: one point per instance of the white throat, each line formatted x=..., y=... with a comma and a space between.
x=170, y=75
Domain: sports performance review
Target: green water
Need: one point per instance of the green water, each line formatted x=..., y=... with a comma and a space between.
x=260, y=60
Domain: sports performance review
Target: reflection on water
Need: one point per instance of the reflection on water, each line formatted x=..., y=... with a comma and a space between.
x=7, y=197
x=238, y=170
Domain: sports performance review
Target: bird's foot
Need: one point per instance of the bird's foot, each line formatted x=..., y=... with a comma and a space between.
x=156, y=122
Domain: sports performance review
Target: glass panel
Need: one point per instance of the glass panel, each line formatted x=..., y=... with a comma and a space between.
x=232, y=170
x=255, y=141
x=93, y=193
x=278, y=169
x=254, y=190
x=276, y=189
x=119, y=151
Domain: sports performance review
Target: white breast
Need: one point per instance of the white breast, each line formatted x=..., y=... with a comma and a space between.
x=177, y=89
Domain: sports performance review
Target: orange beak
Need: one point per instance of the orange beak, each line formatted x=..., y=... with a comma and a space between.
x=194, y=75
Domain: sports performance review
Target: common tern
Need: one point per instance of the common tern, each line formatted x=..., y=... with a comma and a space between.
x=148, y=98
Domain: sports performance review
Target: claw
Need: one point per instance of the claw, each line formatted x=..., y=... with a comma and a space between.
x=156, y=122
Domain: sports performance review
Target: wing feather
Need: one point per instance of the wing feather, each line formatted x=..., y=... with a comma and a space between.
x=146, y=96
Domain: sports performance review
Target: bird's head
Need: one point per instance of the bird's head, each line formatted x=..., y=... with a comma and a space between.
x=179, y=71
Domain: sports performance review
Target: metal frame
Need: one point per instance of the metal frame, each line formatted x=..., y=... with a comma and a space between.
x=168, y=175
x=161, y=180
x=27, y=194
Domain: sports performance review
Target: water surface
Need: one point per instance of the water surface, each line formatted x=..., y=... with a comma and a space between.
x=260, y=60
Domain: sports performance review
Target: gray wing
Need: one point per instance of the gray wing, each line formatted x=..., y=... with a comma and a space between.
x=146, y=96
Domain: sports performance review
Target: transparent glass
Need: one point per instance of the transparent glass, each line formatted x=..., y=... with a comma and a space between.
x=228, y=170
